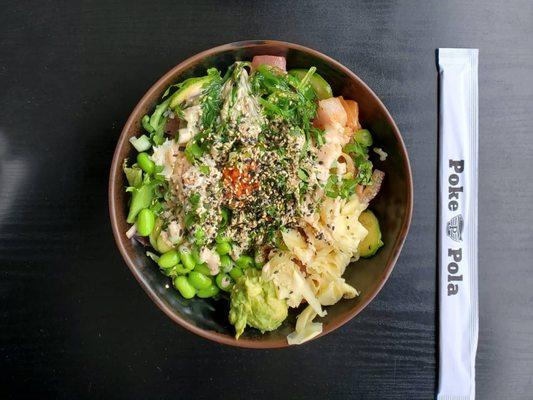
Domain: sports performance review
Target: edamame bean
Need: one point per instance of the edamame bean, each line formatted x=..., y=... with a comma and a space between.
x=244, y=262
x=184, y=287
x=203, y=269
x=145, y=222
x=223, y=248
x=186, y=257
x=235, y=273
x=226, y=263
x=145, y=163
x=208, y=292
x=169, y=259
x=224, y=282
x=199, y=281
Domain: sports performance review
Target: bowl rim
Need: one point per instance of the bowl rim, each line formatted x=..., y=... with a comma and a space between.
x=120, y=239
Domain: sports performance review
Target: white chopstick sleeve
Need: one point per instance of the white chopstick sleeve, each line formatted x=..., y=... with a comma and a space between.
x=458, y=188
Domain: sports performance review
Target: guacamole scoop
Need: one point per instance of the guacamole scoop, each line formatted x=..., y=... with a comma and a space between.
x=254, y=303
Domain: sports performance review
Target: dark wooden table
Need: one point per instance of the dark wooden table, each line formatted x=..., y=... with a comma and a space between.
x=73, y=321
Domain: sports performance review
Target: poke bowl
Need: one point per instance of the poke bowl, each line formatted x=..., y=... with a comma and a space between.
x=260, y=193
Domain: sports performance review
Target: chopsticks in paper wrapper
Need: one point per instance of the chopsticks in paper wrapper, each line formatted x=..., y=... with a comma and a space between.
x=458, y=292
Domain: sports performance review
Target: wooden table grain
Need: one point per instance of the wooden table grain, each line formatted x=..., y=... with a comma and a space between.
x=73, y=321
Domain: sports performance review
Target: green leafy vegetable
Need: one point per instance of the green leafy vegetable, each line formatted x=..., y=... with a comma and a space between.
x=211, y=100
x=343, y=188
x=146, y=124
x=225, y=215
x=134, y=174
x=307, y=77
x=190, y=219
x=140, y=198
x=283, y=97
x=364, y=174
x=303, y=175
x=347, y=188
x=318, y=136
x=364, y=166
x=204, y=169
x=158, y=121
x=318, y=86
x=331, y=188
x=194, y=199
x=193, y=151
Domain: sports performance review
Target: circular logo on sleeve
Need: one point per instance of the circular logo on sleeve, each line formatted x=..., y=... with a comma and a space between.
x=454, y=228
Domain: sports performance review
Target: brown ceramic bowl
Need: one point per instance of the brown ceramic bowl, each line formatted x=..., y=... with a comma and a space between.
x=393, y=206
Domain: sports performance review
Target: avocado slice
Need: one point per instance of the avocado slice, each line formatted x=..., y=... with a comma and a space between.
x=190, y=88
x=372, y=242
x=321, y=88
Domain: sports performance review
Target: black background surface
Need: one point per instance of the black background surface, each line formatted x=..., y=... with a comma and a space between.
x=73, y=321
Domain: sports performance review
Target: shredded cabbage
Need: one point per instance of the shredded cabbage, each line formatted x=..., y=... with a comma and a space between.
x=305, y=329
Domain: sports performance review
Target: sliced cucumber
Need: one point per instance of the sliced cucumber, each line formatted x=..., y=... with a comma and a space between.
x=372, y=242
x=321, y=88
